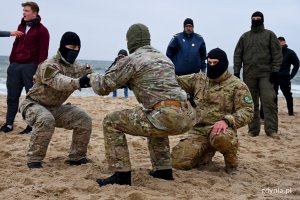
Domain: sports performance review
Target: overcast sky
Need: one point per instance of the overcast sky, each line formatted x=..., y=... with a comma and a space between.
x=102, y=25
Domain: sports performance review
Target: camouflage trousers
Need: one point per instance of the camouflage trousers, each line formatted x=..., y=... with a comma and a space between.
x=156, y=125
x=199, y=148
x=44, y=119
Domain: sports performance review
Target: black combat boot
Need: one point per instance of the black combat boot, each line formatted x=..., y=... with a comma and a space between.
x=81, y=161
x=166, y=174
x=27, y=130
x=34, y=165
x=120, y=178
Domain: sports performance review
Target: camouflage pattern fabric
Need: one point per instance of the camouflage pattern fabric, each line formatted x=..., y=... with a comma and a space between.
x=43, y=110
x=225, y=98
x=151, y=76
x=55, y=81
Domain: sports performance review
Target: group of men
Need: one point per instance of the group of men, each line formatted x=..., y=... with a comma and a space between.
x=219, y=103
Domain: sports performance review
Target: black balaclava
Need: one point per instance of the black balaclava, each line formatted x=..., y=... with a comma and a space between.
x=256, y=23
x=69, y=38
x=217, y=70
x=138, y=35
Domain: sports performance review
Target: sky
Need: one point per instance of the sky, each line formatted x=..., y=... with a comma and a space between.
x=102, y=25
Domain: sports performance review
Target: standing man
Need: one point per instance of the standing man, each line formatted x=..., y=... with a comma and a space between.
x=27, y=53
x=259, y=54
x=151, y=77
x=224, y=104
x=187, y=50
x=55, y=80
x=285, y=76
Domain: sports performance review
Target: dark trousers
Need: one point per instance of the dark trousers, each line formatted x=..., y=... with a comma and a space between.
x=284, y=82
x=18, y=76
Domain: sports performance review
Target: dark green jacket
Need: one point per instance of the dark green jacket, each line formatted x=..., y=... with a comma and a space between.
x=258, y=52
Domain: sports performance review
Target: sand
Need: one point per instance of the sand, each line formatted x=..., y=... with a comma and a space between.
x=269, y=168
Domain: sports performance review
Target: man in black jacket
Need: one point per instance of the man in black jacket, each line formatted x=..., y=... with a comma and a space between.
x=285, y=76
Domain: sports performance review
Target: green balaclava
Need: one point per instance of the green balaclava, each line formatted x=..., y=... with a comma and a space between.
x=137, y=36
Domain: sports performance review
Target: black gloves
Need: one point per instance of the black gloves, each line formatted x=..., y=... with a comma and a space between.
x=190, y=98
x=274, y=77
x=237, y=75
x=84, y=82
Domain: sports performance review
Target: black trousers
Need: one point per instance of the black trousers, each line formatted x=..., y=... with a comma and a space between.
x=18, y=76
x=284, y=82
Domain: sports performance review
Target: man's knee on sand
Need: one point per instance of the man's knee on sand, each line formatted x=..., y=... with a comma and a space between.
x=226, y=142
x=187, y=153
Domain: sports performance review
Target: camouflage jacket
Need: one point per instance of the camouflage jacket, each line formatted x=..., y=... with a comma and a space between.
x=224, y=98
x=55, y=81
x=147, y=72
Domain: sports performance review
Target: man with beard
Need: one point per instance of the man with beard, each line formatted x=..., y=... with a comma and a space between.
x=259, y=54
x=55, y=80
x=224, y=104
x=27, y=53
x=187, y=50
x=164, y=112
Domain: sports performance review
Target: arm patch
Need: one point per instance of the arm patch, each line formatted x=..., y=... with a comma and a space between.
x=49, y=72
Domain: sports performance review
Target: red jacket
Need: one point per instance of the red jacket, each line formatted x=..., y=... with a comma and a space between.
x=32, y=48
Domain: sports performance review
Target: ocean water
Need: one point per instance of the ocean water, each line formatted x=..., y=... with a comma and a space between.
x=100, y=67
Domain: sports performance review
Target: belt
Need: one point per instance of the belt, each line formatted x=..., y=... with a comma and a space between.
x=169, y=103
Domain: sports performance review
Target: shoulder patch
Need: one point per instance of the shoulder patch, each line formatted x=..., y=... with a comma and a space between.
x=49, y=72
x=248, y=99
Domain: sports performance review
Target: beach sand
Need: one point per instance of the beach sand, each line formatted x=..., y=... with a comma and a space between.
x=270, y=168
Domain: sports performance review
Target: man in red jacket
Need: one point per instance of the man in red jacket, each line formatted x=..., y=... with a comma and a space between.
x=27, y=53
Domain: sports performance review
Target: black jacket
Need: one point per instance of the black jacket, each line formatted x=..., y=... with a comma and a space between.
x=289, y=58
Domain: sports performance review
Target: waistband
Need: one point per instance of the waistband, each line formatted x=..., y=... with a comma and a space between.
x=178, y=104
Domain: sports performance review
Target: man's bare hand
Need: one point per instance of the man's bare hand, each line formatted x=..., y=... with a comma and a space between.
x=16, y=33
x=219, y=127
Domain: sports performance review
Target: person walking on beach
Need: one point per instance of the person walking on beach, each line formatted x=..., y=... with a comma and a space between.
x=121, y=54
x=151, y=77
x=55, y=80
x=286, y=75
x=224, y=104
x=11, y=33
x=27, y=53
x=187, y=50
x=259, y=54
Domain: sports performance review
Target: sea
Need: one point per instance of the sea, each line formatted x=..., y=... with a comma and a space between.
x=100, y=66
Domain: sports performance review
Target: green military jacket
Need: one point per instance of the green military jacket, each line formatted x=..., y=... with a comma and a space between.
x=147, y=72
x=55, y=80
x=224, y=98
x=258, y=52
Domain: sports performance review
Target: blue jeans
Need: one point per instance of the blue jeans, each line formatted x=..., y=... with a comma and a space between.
x=115, y=94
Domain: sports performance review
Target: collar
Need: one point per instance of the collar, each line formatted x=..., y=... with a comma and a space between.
x=258, y=29
x=222, y=78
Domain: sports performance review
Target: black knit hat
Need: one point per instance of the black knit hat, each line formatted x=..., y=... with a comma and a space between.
x=123, y=52
x=188, y=21
x=69, y=38
x=281, y=38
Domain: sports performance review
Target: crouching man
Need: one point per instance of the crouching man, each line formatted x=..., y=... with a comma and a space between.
x=55, y=80
x=224, y=104
x=164, y=110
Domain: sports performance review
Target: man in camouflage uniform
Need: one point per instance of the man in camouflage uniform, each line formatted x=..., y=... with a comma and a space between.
x=165, y=111
x=224, y=104
x=55, y=80
x=259, y=53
